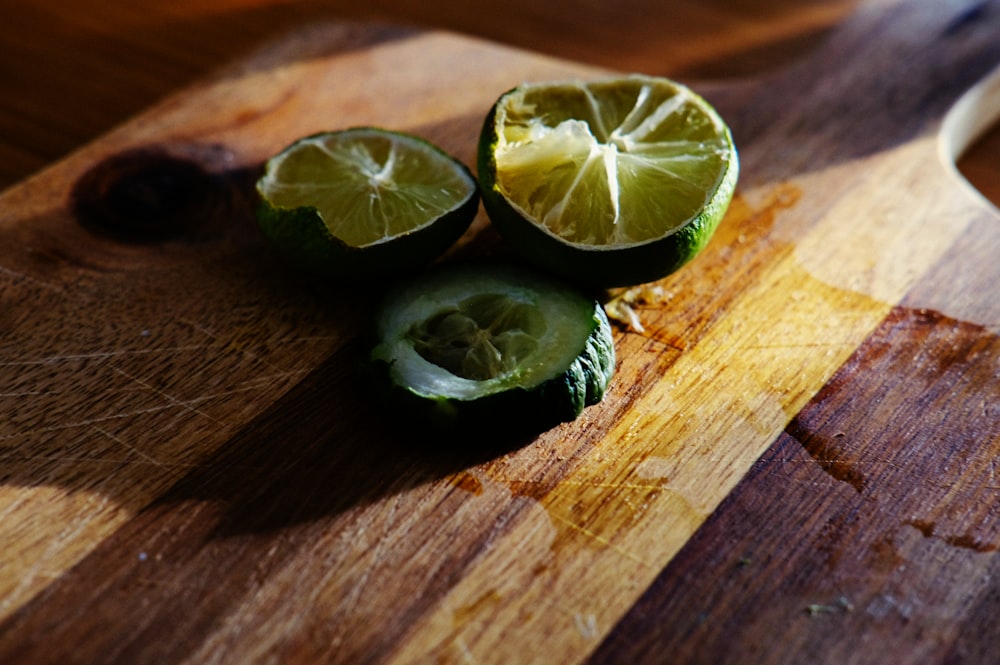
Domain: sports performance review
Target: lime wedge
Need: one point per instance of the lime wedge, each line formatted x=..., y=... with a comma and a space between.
x=492, y=345
x=364, y=202
x=614, y=182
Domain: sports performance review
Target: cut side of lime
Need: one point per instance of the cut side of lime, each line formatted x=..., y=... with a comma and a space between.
x=364, y=202
x=492, y=345
x=613, y=182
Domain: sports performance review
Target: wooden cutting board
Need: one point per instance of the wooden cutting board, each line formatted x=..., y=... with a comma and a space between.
x=192, y=474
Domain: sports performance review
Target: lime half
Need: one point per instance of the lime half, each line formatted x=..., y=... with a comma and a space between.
x=613, y=182
x=492, y=347
x=364, y=202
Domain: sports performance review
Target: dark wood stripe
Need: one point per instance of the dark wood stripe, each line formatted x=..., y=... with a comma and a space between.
x=843, y=528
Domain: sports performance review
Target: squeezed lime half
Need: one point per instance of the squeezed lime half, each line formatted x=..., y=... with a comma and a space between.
x=364, y=202
x=493, y=344
x=612, y=182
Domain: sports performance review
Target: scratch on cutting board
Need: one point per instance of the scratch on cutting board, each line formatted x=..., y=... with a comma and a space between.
x=527, y=482
x=463, y=648
x=168, y=397
x=86, y=422
x=600, y=539
x=376, y=553
x=798, y=345
x=145, y=411
x=586, y=624
x=126, y=444
x=101, y=355
x=232, y=344
x=28, y=278
x=264, y=381
x=112, y=462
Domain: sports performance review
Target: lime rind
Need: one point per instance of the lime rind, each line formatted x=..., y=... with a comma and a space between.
x=567, y=367
x=557, y=346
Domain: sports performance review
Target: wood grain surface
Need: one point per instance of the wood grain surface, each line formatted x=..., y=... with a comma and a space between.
x=797, y=461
